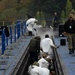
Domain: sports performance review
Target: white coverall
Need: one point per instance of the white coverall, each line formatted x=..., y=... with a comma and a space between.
x=46, y=44
x=39, y=71
x=43, y=63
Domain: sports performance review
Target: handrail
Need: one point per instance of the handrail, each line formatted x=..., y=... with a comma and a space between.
x=57, y=63
x=15, y=31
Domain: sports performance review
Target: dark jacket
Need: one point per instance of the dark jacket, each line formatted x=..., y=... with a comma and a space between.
x=33, y=45
x=69, y=26
x=5, y=30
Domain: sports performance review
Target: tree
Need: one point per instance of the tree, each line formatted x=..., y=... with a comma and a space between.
x=41, y=18
x=2, y=17
x=38, y=16
x=22, y=13
x=73, y=3
x=68, y=7
x=12, y=10
x=73, y=12
x=43, y=21
x=62, y=16
x=10, y=15
x=18, y=1
x=9, y=4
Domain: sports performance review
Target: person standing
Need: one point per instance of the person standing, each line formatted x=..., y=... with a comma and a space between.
x=56, y=20
x=34, y=48
x=69, y=31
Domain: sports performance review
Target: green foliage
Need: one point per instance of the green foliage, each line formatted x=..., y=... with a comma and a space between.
x=73, y=3
x=43, y=21
x=68, y=7
x=62, y=20
x=2, y=17
x=14, y=9
x=1, y=23
x=62, y=14
x=38, y=16
x=73, y=11
x=22, y=13
x=18, y=1
x=10, y=14
x=41, y=18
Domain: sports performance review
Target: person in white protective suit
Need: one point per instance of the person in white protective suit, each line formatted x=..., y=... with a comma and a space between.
x=47, y=45
x=39, y=71
x=36, y=70
x=31, y=26
x=45, y=61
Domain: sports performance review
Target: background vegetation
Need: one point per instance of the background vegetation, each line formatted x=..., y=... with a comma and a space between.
x=11, y=10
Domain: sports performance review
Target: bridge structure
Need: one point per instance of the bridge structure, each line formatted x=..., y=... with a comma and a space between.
x=14, y=51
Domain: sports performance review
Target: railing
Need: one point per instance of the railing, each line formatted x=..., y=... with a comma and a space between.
x=57, y=64
x=15, y=31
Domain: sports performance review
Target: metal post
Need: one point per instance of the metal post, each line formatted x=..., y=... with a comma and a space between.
x=6, y=41
x=18, y=29
x=22, y=28
x=15, y=34
x=10, y=35
x=3, y=41
x=25, y=25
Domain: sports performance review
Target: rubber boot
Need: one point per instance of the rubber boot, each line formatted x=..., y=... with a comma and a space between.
x=70, y=51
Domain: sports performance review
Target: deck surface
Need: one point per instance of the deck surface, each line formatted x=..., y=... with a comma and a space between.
x=67, y=60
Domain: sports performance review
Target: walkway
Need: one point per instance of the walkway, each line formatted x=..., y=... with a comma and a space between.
x=67, y=60
x=12, y=55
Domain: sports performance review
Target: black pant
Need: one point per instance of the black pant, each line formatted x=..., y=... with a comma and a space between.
x=30, y=33
x=34, y=56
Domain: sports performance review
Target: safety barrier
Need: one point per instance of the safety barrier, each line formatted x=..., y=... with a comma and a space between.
x=57, y=64
x=15, y=31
